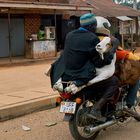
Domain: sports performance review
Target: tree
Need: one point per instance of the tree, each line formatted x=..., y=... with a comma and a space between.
x=131, y=3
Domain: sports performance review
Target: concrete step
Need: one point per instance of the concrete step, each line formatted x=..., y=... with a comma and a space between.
x=25, y=107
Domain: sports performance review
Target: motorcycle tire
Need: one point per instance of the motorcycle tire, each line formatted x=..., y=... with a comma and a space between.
x=73, y=126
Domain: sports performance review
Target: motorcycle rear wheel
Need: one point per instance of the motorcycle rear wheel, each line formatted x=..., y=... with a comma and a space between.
x=78, y=132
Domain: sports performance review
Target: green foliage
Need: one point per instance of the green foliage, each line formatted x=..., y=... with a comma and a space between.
x=128, y=4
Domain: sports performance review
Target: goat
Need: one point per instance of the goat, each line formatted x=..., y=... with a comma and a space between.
x=128, y=71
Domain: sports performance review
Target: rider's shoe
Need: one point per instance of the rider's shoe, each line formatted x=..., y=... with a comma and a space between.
x=128, y=108
x=132, y=112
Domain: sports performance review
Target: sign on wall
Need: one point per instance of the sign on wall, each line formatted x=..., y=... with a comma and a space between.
x=43, y=49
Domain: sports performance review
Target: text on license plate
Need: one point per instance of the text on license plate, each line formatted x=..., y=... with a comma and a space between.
x=68, y=107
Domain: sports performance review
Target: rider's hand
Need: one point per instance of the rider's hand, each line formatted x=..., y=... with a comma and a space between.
x=72, y=88
x=58, y=86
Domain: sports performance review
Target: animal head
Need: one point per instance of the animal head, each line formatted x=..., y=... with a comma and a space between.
x=103, y=46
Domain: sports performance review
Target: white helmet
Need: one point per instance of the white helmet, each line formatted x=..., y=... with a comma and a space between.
x=103, y=26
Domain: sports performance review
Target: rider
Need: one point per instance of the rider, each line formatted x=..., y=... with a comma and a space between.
x=103, y=31
x=79, y=61
x=75, y=63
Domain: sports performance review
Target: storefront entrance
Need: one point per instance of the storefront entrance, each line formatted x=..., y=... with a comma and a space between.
x=17, y=37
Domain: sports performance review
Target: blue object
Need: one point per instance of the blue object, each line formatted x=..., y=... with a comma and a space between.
x=82, y=29
x=87, y=19
x=132, y=93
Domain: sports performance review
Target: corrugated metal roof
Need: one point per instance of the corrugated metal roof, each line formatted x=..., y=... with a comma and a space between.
x=107, y=8
x=54, y=1
x=42, y=5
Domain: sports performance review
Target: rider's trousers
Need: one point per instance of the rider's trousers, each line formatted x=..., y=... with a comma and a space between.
x=132, y=93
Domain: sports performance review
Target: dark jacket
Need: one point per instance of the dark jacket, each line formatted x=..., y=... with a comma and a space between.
x=79, y=58
x=78, y=53
x=57, y=70
x=75, y=62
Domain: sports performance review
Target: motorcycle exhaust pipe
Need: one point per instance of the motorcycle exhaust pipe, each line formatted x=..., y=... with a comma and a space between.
x=101, y=126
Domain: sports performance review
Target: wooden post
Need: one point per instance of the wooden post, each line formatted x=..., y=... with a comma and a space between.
x=9, y=35
x=122, y=41
x=132, y=37
x=55, y=22
x=122, y=36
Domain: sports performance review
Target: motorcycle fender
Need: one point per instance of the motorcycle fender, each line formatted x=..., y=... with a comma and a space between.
x=68, y=117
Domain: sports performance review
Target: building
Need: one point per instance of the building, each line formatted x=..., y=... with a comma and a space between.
x=118, y=15
x=20, y=21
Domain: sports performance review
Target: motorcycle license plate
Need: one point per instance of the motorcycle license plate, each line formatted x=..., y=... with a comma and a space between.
x=68, y=107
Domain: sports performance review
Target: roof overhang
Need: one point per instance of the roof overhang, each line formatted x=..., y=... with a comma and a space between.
x=38, y=5
x=107, y=8
x=124, y=18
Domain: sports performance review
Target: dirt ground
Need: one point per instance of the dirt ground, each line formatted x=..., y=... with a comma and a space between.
x=19, y=78
x=12, y=129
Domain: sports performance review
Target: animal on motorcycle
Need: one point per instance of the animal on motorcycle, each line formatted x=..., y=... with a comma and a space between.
x=86, y=72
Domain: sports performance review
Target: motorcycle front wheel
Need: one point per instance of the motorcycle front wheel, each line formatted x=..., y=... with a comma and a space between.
x=78, y=127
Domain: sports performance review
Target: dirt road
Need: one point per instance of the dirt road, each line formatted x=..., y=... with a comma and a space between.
x=12, y=129
x=20, y=78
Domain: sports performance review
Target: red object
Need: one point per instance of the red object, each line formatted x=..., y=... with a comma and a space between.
x=65, y=95
x=122, y=54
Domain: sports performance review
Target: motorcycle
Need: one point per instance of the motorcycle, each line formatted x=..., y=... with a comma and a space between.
x=76, y=107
